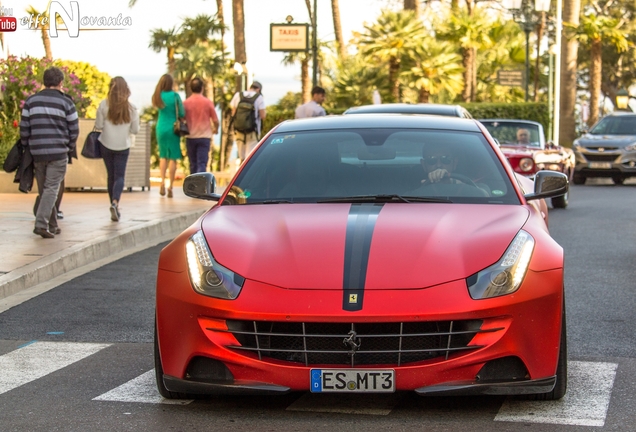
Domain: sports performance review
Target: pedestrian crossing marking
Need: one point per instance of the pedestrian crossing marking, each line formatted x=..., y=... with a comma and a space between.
x=142, y=389
x=585, y=403
x=38, y=359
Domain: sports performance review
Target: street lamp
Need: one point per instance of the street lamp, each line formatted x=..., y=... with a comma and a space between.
x=523, y=12
x=622, y=100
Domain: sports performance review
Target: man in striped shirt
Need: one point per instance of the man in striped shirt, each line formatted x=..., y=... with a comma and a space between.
x=49, y=127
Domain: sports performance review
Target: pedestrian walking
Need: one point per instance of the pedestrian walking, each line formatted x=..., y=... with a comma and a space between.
x=313, y=108
x=49, y=127
x=203, y=124
x=117, y=119
x=248, y=113
x=170, y=106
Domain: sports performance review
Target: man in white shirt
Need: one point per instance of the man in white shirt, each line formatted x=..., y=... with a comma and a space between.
x=247, y=140
x=313, y=108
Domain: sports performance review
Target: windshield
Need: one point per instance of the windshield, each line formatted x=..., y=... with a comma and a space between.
x=615, y=125
x=515, y=133
x=374, y=165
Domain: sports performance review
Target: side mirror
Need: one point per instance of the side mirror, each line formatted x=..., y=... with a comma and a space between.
x=549, y=184
x=201, y=186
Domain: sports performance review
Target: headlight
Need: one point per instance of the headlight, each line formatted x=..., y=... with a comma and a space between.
x=576, y=144
x=505, y=276
x=526, y=164
x=631, y=147
x=207, y=276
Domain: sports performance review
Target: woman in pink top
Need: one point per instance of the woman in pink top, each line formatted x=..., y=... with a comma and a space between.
x=203, y=123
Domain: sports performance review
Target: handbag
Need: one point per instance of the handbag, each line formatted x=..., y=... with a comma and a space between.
x=180, y=127
x=91, y=149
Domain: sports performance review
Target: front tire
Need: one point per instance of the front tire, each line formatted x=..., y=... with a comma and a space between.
x=560, y=201
x=561, y=386
x=163, y=391
x=578, y=179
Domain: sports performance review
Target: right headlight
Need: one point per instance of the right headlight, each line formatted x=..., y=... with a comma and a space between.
x=505, y=276
x=207, y=276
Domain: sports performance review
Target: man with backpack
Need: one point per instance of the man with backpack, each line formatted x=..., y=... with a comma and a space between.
x=248, y=111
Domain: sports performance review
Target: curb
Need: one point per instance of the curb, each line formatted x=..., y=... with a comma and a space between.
x=57, y=264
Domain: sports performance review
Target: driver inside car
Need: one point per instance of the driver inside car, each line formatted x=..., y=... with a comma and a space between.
x=440, y=164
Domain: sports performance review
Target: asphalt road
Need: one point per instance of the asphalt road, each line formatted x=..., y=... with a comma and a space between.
x=84, y=351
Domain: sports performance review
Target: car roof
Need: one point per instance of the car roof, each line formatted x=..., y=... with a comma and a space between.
x=374, y=121
x=405, y=108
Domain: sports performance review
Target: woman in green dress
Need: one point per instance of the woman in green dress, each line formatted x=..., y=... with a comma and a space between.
x=164, y=99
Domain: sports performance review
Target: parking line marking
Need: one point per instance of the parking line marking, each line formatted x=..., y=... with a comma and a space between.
x=585, y=403
x=370, y=404
x=35, y=360
x=142, y=389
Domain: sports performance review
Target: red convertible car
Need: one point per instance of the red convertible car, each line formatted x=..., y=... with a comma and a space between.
x=524, y=144
x=374, y=253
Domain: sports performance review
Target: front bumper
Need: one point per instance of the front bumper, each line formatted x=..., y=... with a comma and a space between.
x=525, y=326
x=591, y=162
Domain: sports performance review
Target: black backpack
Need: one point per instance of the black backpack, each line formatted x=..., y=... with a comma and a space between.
x=245, y=116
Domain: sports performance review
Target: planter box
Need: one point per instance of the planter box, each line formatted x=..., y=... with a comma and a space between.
x=91, y=173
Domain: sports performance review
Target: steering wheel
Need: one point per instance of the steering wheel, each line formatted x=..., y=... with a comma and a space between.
x=463, y=179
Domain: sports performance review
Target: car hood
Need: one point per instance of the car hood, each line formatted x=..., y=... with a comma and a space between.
x=314, y=246
x=518, y=150
x=589, y=140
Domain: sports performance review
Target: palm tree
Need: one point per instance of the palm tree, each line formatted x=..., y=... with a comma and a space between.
x=44, y=28
x=569, y=49
x=355, y=80
x=198, y=33
x=165, y=39
x=593, y=32
x=437, y=68
x=470, y=31
x=389, y=40
x=337, y=28
x=290, y=59
x=238, y=18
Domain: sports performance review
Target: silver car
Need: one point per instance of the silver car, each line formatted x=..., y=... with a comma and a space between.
x=607, y=150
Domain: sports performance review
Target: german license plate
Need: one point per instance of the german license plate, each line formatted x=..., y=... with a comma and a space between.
x=600, y=165
x=352, y=380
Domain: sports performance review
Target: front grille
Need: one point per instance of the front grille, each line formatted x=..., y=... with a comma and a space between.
x=354, y=344
x=600, y=157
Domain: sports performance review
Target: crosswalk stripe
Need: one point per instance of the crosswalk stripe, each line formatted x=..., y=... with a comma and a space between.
x=142, y=389
x=585, y=403
x=38, y=359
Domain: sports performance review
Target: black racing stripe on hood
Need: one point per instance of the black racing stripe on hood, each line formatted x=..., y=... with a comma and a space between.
x=360, y=224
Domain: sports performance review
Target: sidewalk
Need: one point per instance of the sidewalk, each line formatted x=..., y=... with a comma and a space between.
x=88, y=235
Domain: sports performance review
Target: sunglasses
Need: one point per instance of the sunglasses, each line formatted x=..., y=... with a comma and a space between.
x=433, y=160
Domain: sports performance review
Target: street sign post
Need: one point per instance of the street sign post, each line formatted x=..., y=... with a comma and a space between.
x=289, y=37
x=511, y=78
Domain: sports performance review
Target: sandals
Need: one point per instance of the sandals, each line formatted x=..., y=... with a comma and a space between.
x=169, y=192
x=162, y=190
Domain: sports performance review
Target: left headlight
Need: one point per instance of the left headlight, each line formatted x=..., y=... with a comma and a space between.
x=505, y=276
x=631, y=147
x=526, y=164
x=207, y=276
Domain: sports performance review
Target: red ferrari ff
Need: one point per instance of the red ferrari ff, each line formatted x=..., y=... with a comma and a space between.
x=374, y=253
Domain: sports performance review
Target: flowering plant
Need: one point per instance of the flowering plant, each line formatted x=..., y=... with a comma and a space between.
x=21, y=78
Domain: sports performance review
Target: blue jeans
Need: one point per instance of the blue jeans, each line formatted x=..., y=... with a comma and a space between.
x=198, y=152
x=115, y=162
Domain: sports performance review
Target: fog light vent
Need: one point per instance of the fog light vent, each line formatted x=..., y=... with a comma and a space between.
x=503, y=369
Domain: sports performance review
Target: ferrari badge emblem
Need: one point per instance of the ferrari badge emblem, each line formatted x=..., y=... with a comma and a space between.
x=353, y=298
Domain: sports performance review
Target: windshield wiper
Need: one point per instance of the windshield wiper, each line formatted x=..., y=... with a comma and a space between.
x=276, y=201
x=385, y=199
